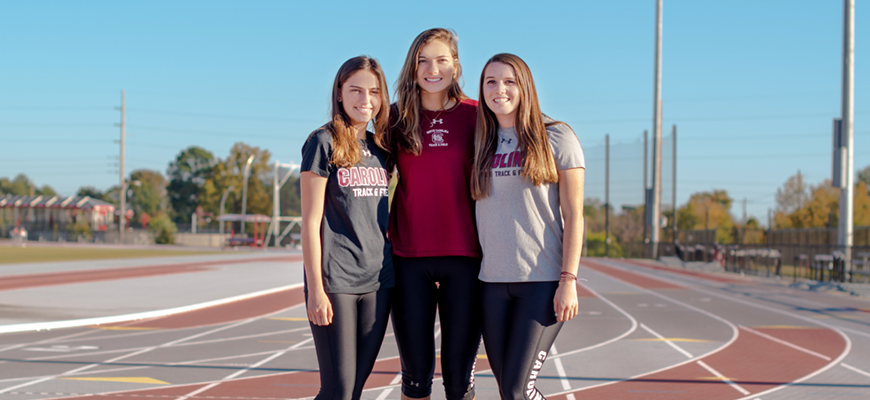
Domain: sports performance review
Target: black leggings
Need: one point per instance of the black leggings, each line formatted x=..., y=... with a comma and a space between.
x=348, y=347
x=457, y=299
x=519, y=327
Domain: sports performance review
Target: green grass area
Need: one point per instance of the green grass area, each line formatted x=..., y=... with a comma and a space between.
x=33, y=254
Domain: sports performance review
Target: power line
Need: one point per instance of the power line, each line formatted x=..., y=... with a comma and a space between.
x=718, y=118
x=218, y=116
x=760, y=157
x=206, y=133
x=53, y=108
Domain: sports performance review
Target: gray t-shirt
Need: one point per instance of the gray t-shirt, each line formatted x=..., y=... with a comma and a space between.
x=520, y=225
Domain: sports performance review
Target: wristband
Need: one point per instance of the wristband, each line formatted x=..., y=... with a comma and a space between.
x=567, y=275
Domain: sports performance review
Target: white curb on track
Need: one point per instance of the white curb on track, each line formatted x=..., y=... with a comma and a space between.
x=38, y=326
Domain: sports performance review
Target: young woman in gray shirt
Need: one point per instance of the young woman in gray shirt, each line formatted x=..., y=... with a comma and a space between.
x=528, y=182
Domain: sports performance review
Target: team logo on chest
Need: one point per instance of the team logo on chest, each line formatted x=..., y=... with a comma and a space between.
x=437, y=137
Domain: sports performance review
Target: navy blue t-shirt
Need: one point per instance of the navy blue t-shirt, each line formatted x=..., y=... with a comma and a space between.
x=356, y=254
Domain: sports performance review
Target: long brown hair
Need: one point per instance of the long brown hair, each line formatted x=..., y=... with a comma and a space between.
x=539, y=166
x=345, y=147
x=409, y=137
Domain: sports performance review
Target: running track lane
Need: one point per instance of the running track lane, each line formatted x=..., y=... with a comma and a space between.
x=702, y=275
x=753, y=362
x=289, y=385
x=64, y=278
x=297, y=384
x=224, y=313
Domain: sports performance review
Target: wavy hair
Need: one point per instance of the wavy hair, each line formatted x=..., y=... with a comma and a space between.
x=539, y=165
x=407, y=124
x=345, y=147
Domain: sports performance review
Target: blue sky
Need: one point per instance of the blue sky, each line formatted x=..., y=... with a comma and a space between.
x=751, y=85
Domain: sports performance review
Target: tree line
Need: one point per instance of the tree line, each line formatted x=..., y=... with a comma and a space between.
x=798, y=205
x=193, y=184
x=195, y=181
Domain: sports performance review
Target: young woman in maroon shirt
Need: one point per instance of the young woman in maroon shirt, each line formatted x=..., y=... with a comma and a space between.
x=436, y=252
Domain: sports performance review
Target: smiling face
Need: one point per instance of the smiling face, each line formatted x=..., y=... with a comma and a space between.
x=501, y=92
x=360, y=97
x=435, y=67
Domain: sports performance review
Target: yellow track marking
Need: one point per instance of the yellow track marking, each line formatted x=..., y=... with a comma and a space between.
x=129, y=379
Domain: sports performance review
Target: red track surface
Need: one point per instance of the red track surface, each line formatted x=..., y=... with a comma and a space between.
x=709, y=277
x=66, y=278
x=635, y=279
x=226, y=313
x=753, y=362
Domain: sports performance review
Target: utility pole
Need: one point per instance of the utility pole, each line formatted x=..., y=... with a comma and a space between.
x=245, y=174
x=744, y=221
x=847, y=149
x=674, y=184
x=223, y=203
x=607, y=195
x=769, y=219
x=122, y=194
x=657, y=138
x=646, y=205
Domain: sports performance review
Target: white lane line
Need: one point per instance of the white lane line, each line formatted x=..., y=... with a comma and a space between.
x=723, y=378
x=159, y=364
x=847, y=366
x=398, y=378
x=51, y=340
x=734, y=334
x=670, y=343
x=242, y=371
x=630, y=330
x=228, y=339
x=384, y=394
x=705, y=289
x=135, y=353
x=784, y=343
x=38, y=326
x=560, y=369
x=856, y=332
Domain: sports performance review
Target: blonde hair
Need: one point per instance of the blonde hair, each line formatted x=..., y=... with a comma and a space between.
x=407, y=124
x=539, y=165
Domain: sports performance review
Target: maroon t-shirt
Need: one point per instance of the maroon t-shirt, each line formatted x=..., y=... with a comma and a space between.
x=433, y=213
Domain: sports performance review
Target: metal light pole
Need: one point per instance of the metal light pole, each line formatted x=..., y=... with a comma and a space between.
x=646, y=203
x=674, y=184
x=224, y=202
x=245, y=189
x=607, y=195
x=657, y=138
x=847, y=176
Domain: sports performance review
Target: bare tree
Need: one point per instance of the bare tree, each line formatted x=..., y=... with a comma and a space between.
x=793, y=194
